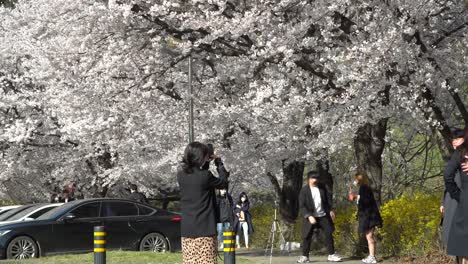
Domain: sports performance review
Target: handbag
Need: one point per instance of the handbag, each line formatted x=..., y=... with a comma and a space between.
x=241, y=216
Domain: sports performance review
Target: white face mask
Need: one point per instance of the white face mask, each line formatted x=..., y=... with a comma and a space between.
x=243, y=199
x=222, y=192
x=355, y=183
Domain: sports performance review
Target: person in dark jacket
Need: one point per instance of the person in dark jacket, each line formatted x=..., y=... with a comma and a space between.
x=368, y=214
x=66, y=197
x=225, y=210
x=135, y=195
x=449, y=205
x=458, y=233
x=243, y=221
x=315, y=203
x=198, y=203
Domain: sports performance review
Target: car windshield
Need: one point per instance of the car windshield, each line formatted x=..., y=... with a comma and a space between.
x=57, y=211
x=24, y=213
x=13, y=212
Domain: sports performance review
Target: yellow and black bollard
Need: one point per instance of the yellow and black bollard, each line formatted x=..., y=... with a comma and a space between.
x=99, y=245
x=229, y=242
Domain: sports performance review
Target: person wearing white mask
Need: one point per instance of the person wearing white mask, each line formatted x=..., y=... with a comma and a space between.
x=243, y=221
x=225, y=216
x=368, y=214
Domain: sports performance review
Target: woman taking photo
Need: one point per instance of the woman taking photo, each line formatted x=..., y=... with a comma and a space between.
x=458, y=234
x=197, y=189
x=243, y=221
x=368, y=214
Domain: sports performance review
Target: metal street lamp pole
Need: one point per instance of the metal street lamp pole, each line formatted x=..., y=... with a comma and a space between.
x=191, y=129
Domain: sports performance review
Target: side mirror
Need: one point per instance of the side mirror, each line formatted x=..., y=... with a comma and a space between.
x=69, y=217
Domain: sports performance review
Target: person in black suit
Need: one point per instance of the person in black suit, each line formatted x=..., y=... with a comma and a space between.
x=198, y=203
x=137, y=196
x=315, y=202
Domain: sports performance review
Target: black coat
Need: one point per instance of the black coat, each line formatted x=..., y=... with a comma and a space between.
x=139, y=197
x=368, y=211
x=458, y=233
x=450, y=207
x=244, y=207
x=307, y=206
x=225, y=209
x=198, y=200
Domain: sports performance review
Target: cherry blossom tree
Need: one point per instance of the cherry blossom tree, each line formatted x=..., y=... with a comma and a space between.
x=277, y=83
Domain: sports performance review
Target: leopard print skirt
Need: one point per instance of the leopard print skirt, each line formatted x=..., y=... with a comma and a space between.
x=199, y=250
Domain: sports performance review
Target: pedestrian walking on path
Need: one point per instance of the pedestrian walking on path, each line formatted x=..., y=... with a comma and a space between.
x=368, y=214
x=315, y=202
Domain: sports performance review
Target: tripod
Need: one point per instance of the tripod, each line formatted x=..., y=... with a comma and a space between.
x=275, y=227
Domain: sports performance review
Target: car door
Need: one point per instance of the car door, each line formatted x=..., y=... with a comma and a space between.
x=117, y=216
x=76, y=235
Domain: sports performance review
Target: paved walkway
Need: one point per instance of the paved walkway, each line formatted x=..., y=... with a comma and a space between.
x=260, y=258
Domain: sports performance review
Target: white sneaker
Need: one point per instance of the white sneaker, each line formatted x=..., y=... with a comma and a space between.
x=334, y=258
x=369, y=259
x=303, y=259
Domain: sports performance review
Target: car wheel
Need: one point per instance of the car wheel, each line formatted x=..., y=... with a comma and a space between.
x=22, y=247
x=154, y=242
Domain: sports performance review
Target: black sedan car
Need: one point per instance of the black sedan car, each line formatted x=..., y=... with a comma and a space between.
x=69, y=229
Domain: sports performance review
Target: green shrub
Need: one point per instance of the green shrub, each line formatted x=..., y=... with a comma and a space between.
x=262, y=218
x=346, y=230
x=7, y=203
x=411, y=224
x=410, y=227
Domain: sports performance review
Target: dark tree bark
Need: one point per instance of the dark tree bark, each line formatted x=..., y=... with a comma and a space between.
x=323, y=168
x=369, y=144
x=288, y=194
x=443, y=128
x=292, y=183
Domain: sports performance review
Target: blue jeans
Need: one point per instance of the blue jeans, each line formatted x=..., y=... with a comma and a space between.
x=243, y=226
x=220, y=231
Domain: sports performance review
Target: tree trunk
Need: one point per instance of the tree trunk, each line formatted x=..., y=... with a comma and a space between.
x=443, y=127
x=369, y=145
x=288, y=194
x=323, y=168
x=293, y=174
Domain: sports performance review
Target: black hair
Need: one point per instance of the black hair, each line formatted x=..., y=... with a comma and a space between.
x=456, y=133
x=313, y=174
x=464, y=147
x=242, y=194
x=133, y=187
x=194, y=156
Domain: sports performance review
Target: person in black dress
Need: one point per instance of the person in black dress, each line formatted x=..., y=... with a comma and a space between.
x=458, y=234
x=368, y=214
x=198, y=203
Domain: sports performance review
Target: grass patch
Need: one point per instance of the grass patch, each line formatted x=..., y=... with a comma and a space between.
x=114, y=257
